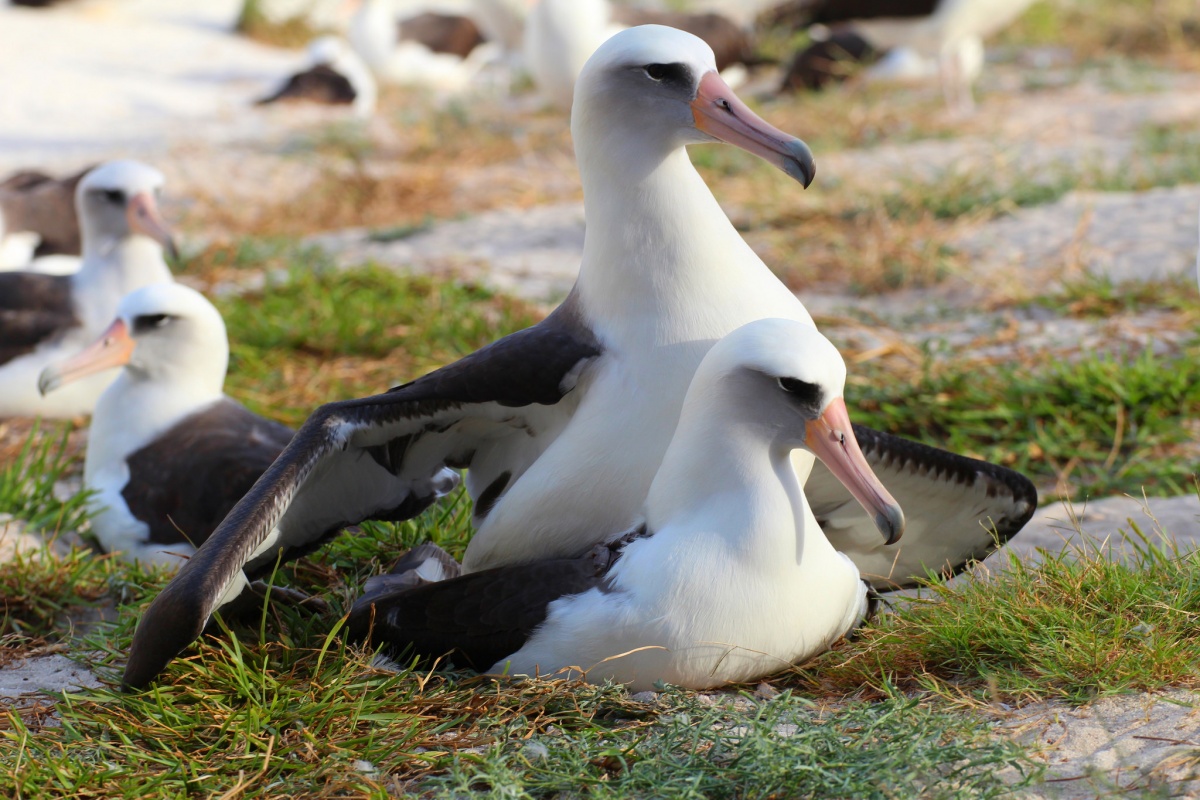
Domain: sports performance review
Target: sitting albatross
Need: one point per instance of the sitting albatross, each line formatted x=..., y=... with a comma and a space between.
x=44, y=318
x=563, y=425
x=727, y=579
x=168, y=453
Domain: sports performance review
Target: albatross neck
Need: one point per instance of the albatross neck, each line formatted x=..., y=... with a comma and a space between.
x=728, y=476
x=659, y=247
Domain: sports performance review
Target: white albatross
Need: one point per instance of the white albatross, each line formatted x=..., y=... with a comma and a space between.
x=940, y=37
x=44, y=318
x=168, y=453
x=728, y=579
x=562, y=426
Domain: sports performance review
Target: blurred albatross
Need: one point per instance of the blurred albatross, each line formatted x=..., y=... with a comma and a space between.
x=563, y=426
x=44, y=318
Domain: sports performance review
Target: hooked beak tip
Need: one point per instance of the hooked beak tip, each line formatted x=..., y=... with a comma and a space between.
x=891, y=524
x=47, y=382
x=802, y=166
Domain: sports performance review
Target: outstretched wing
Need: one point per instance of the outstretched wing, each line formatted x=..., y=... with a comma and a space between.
x=957, y=510
x=381, y=457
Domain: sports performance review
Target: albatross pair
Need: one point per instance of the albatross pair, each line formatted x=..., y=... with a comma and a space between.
x=44, y=318
x=727, y=578
x=563, y=426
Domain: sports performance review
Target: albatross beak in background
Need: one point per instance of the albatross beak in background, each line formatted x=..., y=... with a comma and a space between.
x=831, y=438
x=112, y=349
x=143, y=216
x=719, y=113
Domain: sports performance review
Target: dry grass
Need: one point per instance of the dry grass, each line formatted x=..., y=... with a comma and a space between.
x=291, y=32
x=1163, y=31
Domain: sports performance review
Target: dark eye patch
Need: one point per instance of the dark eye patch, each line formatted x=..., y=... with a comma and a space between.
x=145, y=322
x=808, y=394
x=114, y=196
x=671, y=74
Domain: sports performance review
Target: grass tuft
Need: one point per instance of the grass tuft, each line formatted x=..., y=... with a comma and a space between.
x=1076, y=625
x=1095, y=425
x=27, y=485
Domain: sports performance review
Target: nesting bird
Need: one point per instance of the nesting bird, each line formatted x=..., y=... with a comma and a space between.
x=930, y=37
x=168, y=453
x=45, y=317
x=563, y=426
x=438, y=52
x=335, y=76
x=727, y=578
x=38, y=222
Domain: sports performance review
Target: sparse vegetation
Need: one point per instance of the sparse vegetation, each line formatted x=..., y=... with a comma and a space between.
x=1076, y=625
x=279, y=705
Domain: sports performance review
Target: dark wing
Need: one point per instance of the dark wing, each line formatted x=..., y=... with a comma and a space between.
x=381, y=457
x=442, y=33
x=34, y=201
x=184, y=482
x=957, y=510
x=34, y=308
x=476, y=619
x=796, y=14
x=827, y=61
x=24, y=179
x=729, y=42
x=319, y=84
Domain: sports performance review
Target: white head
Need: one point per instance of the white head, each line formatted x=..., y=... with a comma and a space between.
x=118, y=200
x=782, y=381
x=163, y=333
x=659, y=86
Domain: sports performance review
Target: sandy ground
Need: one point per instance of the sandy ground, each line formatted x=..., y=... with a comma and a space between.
x=163, y=81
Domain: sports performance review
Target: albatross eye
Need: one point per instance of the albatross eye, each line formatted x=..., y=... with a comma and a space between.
x=806, y=393
x=114, y=196
x=144, y=322
x=668, y=73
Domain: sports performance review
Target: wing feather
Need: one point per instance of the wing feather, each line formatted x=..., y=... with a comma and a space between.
x=353, y=460
x=957, y=510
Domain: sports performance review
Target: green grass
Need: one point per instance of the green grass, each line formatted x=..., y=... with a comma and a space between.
x=1100, y=423
x=280, y=705
x=1075, y=626
x=322, y=334
x=27, y=485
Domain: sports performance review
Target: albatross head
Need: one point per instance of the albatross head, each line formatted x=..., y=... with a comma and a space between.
x=119, y=199
x=661, y=84
x=163, y=332
x=790, y=379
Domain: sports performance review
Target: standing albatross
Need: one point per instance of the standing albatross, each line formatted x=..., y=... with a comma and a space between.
x=168, y=453
x=562, y=426
x=44, y=318
x=727, y=579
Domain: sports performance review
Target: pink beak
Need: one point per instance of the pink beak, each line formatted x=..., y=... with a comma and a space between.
x=831, y=438
x=112, y=349
x=143, y=216
x=719, y=113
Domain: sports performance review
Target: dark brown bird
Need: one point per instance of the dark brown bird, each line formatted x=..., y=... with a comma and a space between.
x=730, y=44
x=442, y=33
x=32, y=201
x=828, y=61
